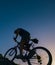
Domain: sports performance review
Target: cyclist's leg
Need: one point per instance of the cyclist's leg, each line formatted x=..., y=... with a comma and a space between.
x=22, y=43
x=21, y=49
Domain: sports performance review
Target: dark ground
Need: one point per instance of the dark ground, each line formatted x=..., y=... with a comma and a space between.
x=4, y=61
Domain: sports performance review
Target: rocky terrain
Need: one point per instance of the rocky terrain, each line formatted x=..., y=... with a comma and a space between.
x=4, y=61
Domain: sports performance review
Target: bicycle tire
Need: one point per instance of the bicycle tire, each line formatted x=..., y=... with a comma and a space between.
x=10, y=50
x=48, y=53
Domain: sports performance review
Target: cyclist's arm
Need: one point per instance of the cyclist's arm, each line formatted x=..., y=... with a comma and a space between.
x=15, y=38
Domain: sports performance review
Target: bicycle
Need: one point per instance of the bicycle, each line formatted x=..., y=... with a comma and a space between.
x=36, y=56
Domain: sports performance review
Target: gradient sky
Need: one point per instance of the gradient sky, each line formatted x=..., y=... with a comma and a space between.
x=36, y=16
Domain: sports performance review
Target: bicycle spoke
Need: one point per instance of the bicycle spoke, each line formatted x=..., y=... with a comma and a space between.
x=42, y=57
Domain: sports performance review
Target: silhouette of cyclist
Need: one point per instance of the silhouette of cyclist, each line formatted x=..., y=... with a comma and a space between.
x=25, y=37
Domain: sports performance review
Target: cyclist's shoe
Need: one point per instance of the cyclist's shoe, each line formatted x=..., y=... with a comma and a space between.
x=23, y=58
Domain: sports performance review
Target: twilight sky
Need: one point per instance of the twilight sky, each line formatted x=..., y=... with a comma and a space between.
x=36, y=16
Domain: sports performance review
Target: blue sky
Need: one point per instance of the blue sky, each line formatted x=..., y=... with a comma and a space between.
x=36, y=16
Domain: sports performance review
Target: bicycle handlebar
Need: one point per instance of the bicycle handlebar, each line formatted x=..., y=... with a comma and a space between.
x=15, y=40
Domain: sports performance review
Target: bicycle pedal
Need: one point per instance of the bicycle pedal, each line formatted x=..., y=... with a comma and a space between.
x=17, y=56
x=40, y=63
x=24, y=60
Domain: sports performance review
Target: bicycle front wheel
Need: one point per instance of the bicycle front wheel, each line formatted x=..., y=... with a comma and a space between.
x=10, y=54
x=41, y=57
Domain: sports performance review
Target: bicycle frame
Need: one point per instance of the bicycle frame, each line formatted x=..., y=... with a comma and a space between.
x=26, y=56
x=31, y=53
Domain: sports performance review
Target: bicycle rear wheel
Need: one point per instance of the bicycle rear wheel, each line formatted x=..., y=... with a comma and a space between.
x=10, y=54
x=41, y=57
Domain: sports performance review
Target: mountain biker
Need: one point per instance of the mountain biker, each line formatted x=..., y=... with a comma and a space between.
x=25, y=37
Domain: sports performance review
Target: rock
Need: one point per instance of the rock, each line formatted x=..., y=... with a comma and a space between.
x=4, y=61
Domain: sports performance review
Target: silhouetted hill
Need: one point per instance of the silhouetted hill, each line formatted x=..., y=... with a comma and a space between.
x=4, y=61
